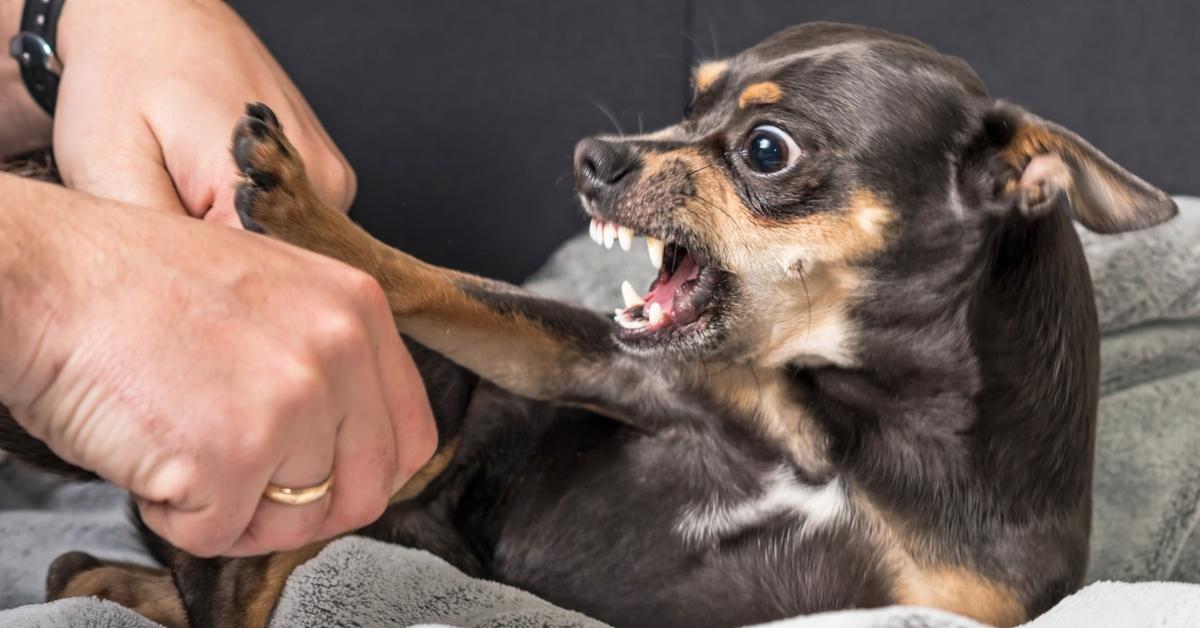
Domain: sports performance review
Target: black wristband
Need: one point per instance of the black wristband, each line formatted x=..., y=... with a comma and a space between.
x=33, y=48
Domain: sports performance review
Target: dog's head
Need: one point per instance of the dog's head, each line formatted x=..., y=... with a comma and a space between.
x=820, y=170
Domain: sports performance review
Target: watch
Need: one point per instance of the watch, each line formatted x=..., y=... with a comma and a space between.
x=33, y=48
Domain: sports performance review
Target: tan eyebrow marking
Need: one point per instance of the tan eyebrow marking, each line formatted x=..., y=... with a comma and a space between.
x=707, y=73
x=764, y=93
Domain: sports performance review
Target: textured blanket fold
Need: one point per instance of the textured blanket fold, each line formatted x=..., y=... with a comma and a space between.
x=1147, y=486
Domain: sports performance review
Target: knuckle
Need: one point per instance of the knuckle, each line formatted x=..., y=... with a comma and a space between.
x=257, y=432
x=361, y=512
x=418, y=443
x=368, y=292
x=346, y=180
x=256, y=443
x=299, y=378
x=173, y=481
x=298, y=387
x=424, y=446
x=342, y=330
x=364, y=288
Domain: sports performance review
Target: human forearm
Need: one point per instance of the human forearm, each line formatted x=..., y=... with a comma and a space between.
x=23, y=125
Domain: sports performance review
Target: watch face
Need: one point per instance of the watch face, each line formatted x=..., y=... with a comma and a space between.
x=32, y=51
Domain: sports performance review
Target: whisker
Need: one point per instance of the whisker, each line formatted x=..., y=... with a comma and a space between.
x=808, y=300
x=758, y=388
x=696, y=50
x=712, y=33
x=609, y=114
x=714, y=206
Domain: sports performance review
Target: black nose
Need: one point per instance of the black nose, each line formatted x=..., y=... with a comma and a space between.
x=602, y=166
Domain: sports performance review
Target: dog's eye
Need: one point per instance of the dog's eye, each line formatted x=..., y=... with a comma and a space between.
x=768, y=149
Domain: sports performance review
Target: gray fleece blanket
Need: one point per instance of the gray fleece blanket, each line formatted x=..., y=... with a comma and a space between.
x=1147, y=486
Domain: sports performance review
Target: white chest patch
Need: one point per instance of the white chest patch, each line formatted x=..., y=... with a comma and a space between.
x=782, y=495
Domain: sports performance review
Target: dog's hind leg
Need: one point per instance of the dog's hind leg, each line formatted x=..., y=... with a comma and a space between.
x=530, y=345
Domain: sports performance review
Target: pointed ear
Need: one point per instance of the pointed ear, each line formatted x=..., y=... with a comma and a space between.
x=1045, y=167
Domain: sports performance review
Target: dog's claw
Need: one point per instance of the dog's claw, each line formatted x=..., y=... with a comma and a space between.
x=262, y=112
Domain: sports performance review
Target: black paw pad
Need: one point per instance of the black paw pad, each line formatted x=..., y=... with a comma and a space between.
x=243, y=151
x=260, y=178
x=257, y=128
x=243, y=202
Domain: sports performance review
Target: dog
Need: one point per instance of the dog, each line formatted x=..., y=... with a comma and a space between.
x=866, y=373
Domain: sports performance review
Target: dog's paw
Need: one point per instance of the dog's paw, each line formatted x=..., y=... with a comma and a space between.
x=273, y=184
x=64, y=569
x=146, y=590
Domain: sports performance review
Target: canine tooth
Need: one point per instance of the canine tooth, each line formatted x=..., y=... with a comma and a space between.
x=610, y=234
x=593, y=229
x=655, y=314
x=625, y=236
x=656, y=247
x=630, y=295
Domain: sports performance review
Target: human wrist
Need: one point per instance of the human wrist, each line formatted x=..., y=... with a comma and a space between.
x=74, y=22
x=10, y=18
x=33, y=281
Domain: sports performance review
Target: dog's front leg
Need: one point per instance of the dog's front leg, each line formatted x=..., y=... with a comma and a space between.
x=192, y=593
x=533, y=346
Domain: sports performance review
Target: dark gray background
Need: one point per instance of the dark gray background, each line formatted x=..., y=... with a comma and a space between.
x=459, y=117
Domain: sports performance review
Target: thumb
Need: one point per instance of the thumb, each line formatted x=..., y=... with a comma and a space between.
x=223, y=210
x=115, y=159
x=208, y=525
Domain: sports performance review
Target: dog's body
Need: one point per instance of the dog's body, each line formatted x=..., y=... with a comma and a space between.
x=866, y=374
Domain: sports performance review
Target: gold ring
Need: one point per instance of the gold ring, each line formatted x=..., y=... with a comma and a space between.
x=298, y=496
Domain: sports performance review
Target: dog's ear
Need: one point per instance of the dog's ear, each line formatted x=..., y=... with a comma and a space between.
x=1035, y=166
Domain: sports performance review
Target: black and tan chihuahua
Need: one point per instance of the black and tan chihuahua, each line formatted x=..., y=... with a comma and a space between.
x=866, y=373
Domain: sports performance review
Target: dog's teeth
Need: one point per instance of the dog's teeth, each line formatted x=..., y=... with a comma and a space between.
x=592, y=227
x=599, y=232
x=630, y=324
x=625, y=236
x=656, y=247
x=610, y=235
x=630, y=295
x=655, y=314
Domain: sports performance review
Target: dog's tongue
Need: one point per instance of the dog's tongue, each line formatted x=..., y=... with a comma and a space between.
x=668, y=294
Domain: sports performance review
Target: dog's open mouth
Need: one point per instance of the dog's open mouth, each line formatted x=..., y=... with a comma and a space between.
x=681, y=299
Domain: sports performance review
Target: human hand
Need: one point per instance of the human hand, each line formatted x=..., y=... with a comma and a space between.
x=192, y=364
x=149, y=92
